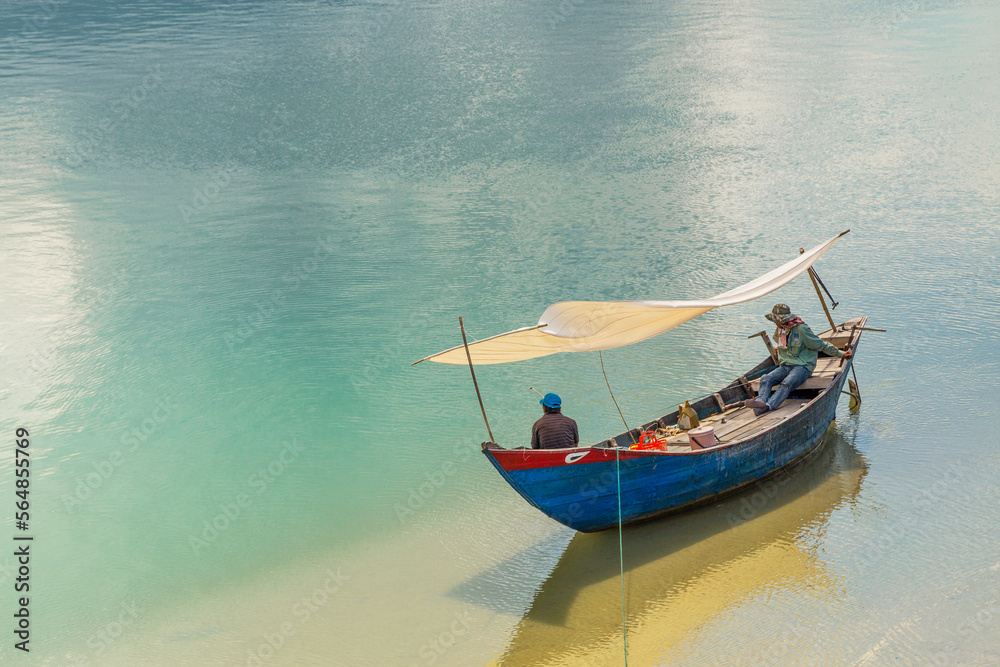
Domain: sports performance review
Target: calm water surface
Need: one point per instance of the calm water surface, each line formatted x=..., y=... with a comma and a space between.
x=227, y=228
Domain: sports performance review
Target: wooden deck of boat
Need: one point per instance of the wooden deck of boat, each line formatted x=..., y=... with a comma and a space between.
x=738, y=423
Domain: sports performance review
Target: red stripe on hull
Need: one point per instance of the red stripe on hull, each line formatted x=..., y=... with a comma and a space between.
x=524, y=459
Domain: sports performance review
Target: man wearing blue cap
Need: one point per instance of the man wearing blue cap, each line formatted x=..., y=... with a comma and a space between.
x=554, y=430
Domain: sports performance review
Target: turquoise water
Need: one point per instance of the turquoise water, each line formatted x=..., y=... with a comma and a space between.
x=228, y=229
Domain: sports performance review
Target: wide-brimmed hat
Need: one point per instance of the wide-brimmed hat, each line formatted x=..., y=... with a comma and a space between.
x=780, y=313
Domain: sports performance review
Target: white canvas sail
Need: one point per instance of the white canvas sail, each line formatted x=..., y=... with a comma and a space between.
x=577, y=326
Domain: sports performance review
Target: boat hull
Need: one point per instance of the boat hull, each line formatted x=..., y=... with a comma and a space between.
x=579, y=487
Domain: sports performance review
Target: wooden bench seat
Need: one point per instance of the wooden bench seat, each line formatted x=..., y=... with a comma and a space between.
x=827, y=370
x=814, y=382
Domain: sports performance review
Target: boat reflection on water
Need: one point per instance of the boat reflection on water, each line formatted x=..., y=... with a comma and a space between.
x=682, y=572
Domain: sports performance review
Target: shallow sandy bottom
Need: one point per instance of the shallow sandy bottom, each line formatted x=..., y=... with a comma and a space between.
x=506, y=585
x=704, y=587
x=404, y=602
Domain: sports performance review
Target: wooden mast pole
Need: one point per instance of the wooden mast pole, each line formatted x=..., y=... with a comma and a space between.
x=474, y=383
x=833, y=327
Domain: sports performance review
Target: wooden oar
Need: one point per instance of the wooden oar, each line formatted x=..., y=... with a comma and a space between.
x=855, y=397
x=850, y=341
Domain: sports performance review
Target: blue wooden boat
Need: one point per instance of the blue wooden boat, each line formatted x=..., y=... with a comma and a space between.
x=578, y=487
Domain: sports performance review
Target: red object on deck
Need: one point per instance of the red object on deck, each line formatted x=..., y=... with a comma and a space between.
x=648, y=440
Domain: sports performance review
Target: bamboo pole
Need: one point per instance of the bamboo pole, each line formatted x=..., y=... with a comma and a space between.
x=465, y=342
x=833, y=327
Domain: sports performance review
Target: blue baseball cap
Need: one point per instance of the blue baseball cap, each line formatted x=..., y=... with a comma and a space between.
x=551, y=401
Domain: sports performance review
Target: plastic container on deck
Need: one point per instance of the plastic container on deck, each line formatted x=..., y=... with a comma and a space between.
x=701, y=437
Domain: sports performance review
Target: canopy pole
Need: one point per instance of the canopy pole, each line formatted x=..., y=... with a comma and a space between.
x=833, y=302
x=474, y=383
x=812, y=277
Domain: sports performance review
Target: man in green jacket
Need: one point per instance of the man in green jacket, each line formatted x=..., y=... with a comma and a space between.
x=797, y=349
